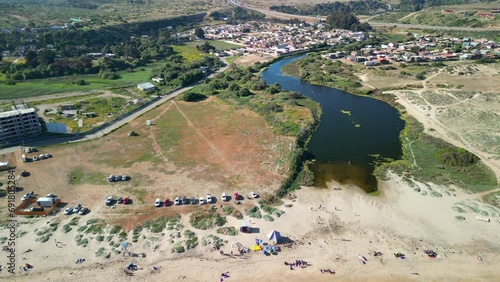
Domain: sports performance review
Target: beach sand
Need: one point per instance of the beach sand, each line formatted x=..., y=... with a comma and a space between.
x=349, y=223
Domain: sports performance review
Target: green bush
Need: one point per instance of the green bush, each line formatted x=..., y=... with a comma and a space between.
x=193, y=97
x=205, y=219
x=456, y=157
x=227, y=210
x=268, y=218
x=254, y=212
x=231, y=231
x=177, y=248
x=66, y=228
x=115, y=229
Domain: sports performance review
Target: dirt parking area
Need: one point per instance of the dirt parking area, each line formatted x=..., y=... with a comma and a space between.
x=190, y=149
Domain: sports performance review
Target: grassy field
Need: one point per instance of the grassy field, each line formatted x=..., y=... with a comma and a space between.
x=219, y=45
x=47, y=86
x=476, y=178
x=190, y=53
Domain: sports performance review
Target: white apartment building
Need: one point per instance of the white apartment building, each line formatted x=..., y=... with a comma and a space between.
x=18, y=124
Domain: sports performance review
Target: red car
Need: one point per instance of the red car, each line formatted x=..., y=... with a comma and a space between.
x=167, y=202
x=126, y=200
x=236, y=196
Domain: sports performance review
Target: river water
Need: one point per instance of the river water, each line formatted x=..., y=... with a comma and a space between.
x=352, y=131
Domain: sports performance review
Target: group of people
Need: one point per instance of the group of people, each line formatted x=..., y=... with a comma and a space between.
x=80, y=260
x=327, y=271
x=297, y=263
x=26, y=267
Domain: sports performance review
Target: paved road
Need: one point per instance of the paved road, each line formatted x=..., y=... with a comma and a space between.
x=375, y=24
x=35, y=142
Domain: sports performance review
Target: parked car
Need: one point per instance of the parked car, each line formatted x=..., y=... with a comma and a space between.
x=201, y=201
x=77, y=208
x=177, y=201
x=83, y=211
x=126, y=201
x=167, y=202
x=35, y=158
x=209, y=199
x=236, y=196
x=224, y=197
x=185, y=200
x=120, y=200
x=41, y=157
x=193, y=201
x=109, y=201
x=111, y=178
x=253, y=195
x=118, y=178
x=157, y=202
x=68, y=211
x=125, y=177
x=47, y=155
x=26, y=196
x=50, y=195
x=24, y=173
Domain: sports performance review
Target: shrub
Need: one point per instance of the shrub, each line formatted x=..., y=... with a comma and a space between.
x=177, y=248
x=66, y=228
x=456, y=157
x=193, y=97
x=205, y=219
x=231, y=231
x=115, y=229
x=227, y=210
x=268, y=218
x=254, y=212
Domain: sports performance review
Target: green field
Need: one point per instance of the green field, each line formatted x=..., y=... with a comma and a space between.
x=188, y=52
x=47, y=86
x=219, y=45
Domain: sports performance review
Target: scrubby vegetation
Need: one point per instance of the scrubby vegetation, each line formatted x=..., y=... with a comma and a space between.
x=206, y=218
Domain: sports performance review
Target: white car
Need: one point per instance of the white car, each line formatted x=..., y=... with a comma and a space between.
x=201, y=201
x=42, y=156
x=224, y=197
x=50, y=195
x=253, y=195
x=77, y=208
x=157, y=202
x=68, y=211
x=48, y=156
x=35, y=158
x=209, y=199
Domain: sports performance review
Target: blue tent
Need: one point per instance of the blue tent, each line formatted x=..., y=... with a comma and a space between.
x=274, y=236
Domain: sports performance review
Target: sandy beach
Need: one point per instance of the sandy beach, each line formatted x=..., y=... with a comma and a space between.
x=349, y=223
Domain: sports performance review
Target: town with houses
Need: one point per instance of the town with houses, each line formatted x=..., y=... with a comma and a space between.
x=272, y=39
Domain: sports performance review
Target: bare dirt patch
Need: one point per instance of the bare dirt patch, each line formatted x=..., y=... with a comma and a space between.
x=251, y=59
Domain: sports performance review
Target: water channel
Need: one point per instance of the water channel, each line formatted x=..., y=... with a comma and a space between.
x=352, y=132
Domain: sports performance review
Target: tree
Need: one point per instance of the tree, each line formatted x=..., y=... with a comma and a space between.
x=206, y=47
x=198, y=32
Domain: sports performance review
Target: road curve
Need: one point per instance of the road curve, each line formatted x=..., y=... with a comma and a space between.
x=375, y=24
x=113, y=126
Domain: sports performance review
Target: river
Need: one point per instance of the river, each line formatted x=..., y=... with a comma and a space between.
x=353, y=130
